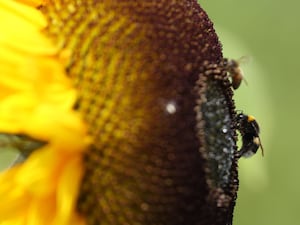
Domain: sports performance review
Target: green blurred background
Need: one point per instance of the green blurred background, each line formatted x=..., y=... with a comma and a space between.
x=268, y=32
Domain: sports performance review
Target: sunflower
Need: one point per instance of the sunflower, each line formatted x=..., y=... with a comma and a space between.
x=125, y=100
x=34, y=86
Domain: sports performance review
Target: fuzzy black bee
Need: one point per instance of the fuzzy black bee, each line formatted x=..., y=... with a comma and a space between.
x=249, y=130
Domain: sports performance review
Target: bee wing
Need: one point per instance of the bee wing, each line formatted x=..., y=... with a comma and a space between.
x=243, y=60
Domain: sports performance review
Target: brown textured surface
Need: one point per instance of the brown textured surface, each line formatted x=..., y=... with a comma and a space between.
x=216, y=132
x=129, y=60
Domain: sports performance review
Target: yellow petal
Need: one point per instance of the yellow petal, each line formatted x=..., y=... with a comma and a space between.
x=37, y=99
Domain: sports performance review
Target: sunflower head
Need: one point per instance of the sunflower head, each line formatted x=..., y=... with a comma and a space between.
x=149, y=94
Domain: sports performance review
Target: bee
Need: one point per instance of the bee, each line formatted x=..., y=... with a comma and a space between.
x=235, y=72
x=249, y=129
